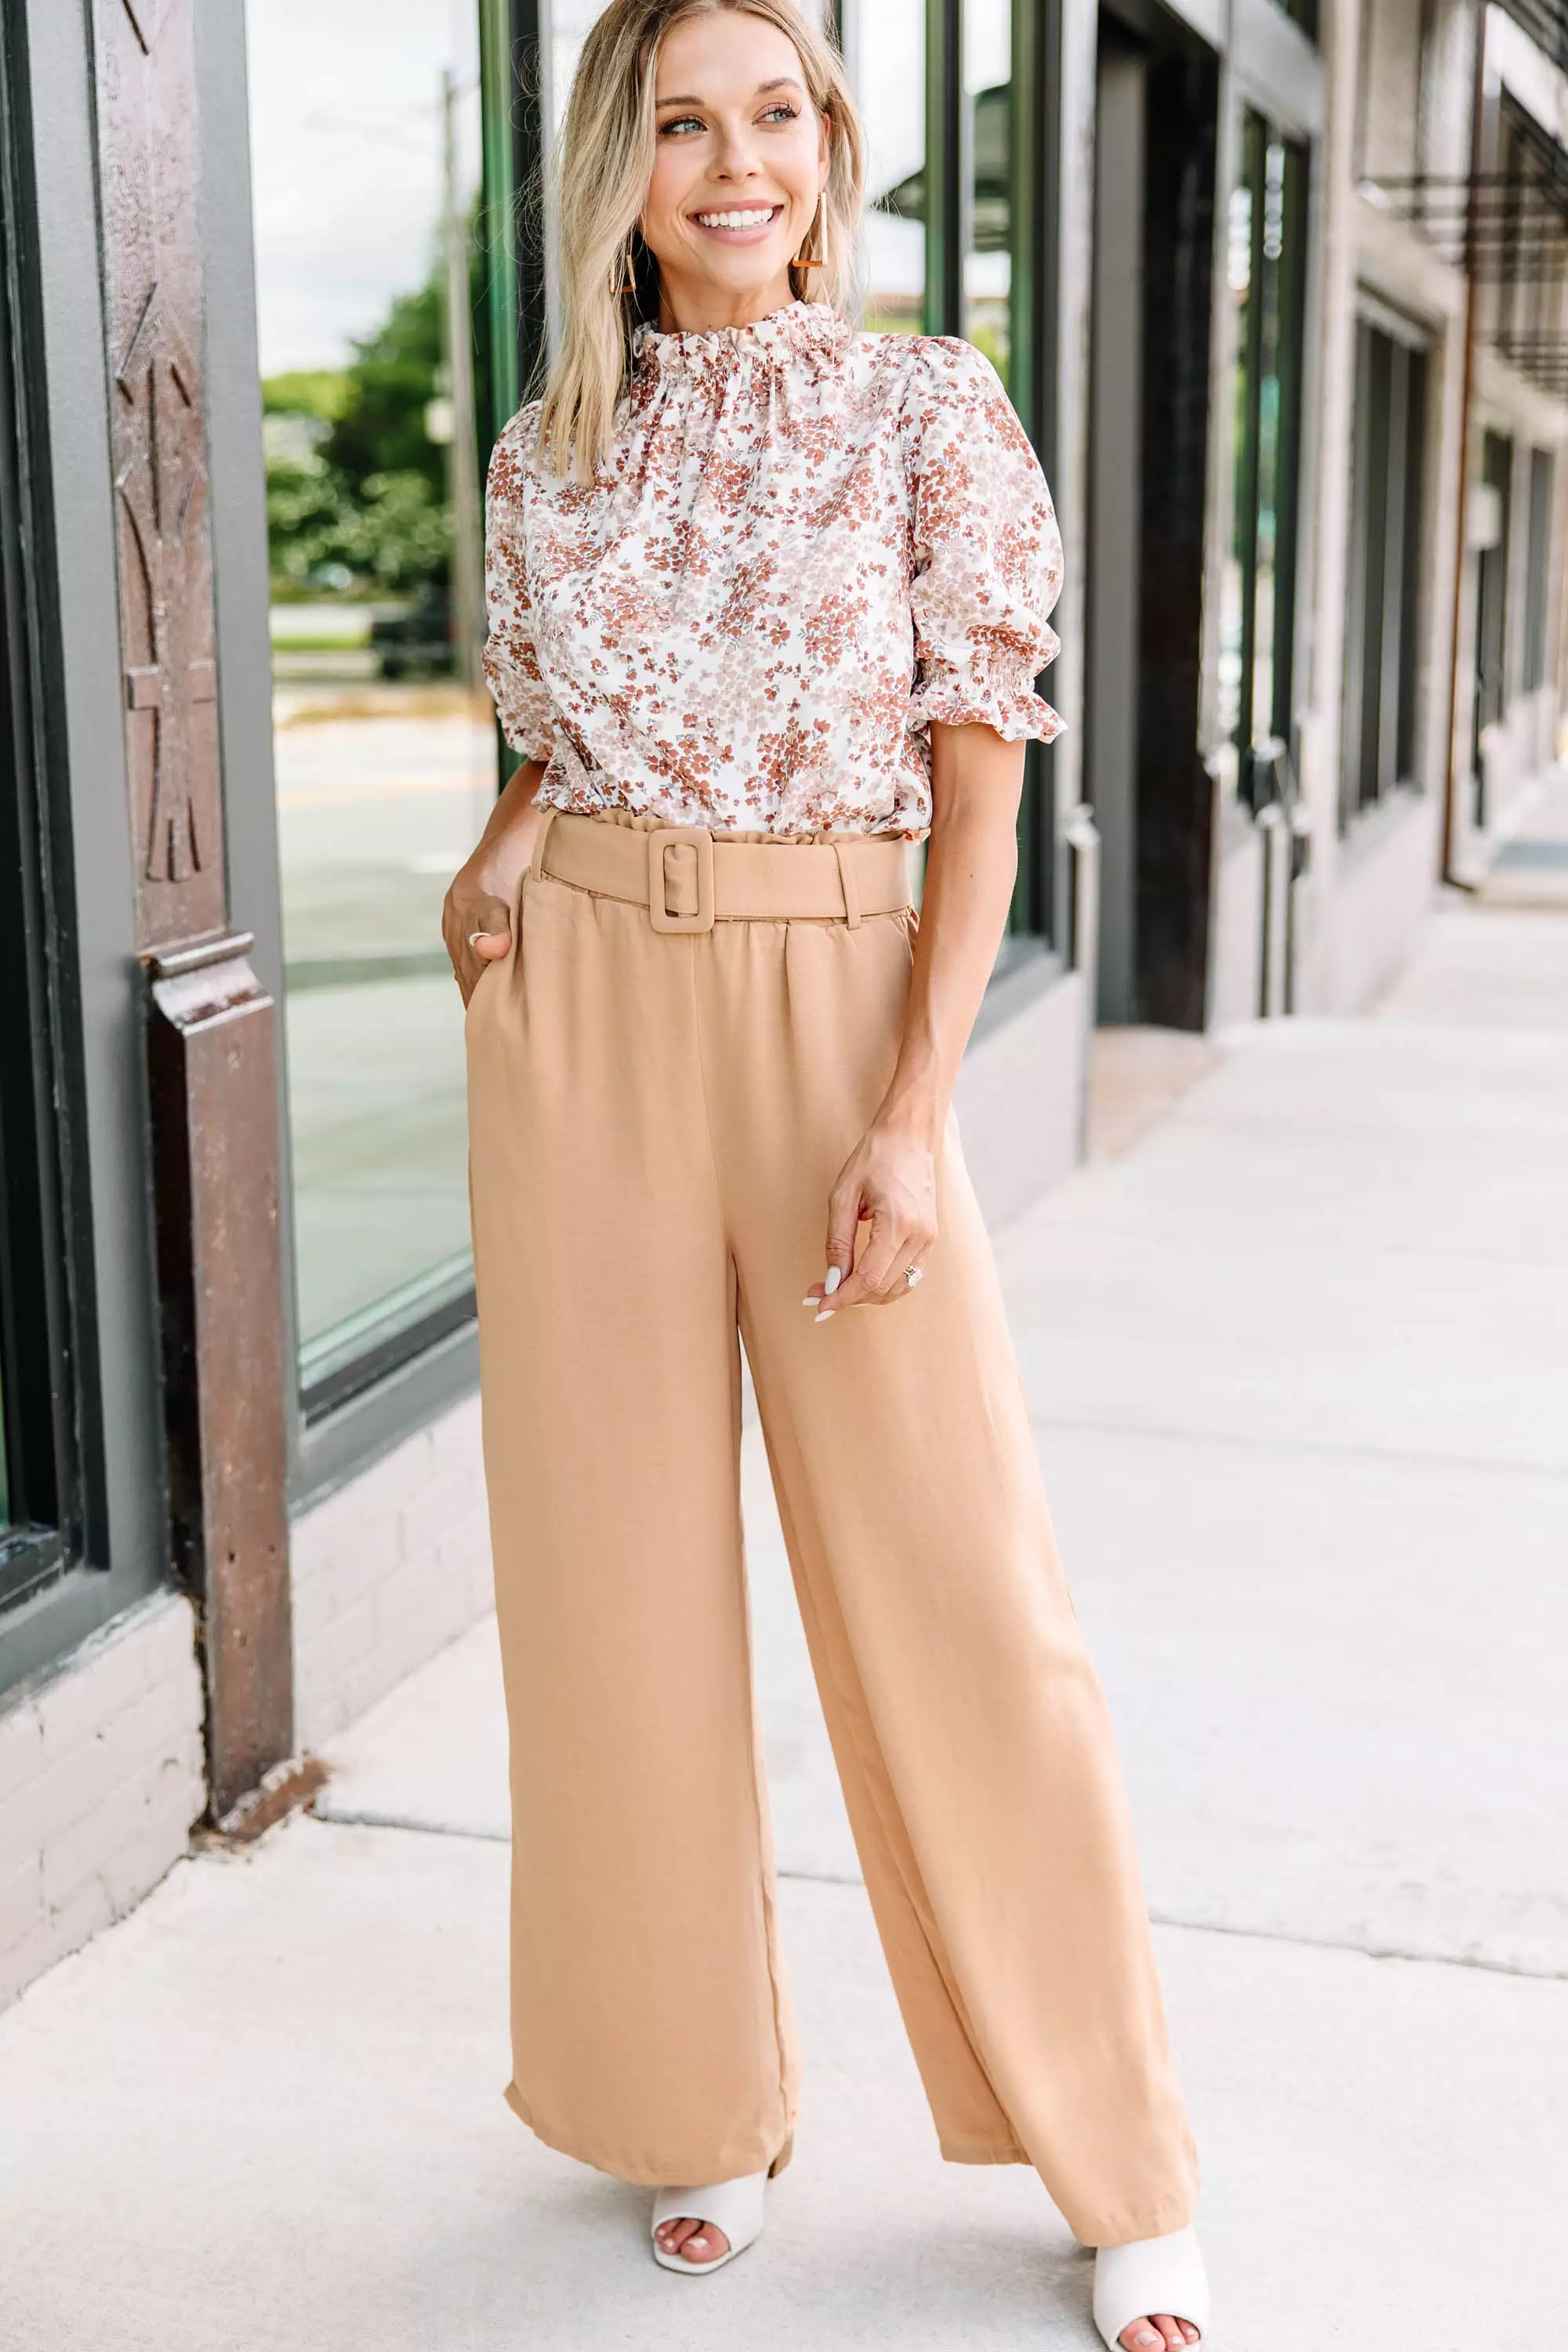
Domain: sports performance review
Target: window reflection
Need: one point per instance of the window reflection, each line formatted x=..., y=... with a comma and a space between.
x=890, y=46
x=365, y=131
x=1265, y=246
x=988, y=263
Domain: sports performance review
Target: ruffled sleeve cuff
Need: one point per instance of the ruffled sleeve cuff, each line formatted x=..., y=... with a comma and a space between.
x=996, y=694
x=988, y=565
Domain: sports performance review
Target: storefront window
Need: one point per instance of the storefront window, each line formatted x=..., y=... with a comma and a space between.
x=365, y=137
x=1265, y=252
x=988, y=262
x=890, y=41
x=1382, y=604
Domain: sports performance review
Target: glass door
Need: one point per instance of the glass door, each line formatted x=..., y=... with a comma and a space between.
x=372, y=269
x=1491, y=530
x=1265, y=264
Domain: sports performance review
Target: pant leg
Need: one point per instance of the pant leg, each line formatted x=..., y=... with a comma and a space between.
x=651, y=2030
x=969, y=1725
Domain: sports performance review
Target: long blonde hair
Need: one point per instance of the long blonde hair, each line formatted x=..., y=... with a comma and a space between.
x=605, y=164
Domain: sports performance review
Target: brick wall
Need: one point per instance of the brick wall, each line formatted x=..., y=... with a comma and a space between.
x=100, y=1777
x=387, y=1571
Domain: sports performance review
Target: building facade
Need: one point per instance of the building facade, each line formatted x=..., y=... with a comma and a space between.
x=1281, y=303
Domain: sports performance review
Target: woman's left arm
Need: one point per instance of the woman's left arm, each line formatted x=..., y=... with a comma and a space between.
x=972, y=862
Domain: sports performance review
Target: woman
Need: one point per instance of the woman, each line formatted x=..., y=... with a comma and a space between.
x=767, y=600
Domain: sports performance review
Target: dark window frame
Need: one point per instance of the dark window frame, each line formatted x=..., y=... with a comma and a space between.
x=112, y=1477
x=1493, y=618
x=1279, y=281
x=1384, y=609
x=41, y=1518
x=1039, y=917
x=1537, y=574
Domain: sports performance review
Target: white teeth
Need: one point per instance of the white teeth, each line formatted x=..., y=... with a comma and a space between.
x=737, y=220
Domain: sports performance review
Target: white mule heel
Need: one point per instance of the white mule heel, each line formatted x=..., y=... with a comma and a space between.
x=733, y=2206
x=1150, y=2275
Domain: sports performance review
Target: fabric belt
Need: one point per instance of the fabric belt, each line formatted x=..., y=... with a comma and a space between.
x=690, y=878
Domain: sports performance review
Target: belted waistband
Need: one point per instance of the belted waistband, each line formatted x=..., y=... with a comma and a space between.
x=690, y=878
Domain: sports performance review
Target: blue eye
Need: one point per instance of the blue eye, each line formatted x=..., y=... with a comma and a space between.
x=679, y=123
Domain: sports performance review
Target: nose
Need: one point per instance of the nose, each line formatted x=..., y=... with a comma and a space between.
x=735, y=159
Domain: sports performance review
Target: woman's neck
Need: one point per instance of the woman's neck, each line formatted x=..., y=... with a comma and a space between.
x=693, y=309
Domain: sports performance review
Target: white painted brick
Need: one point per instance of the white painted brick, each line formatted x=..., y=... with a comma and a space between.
x=478, y=1589
x=364, y=1561
x=457, y=1431
x=421, y=1608
x=79, y=1701
x=85, y=1911
x=370, y=1679
x=97, y=1769
x=21, y=1903
x=340, y=1645
x=84, y=1850
x=21, y=1748
x=168, y=1637
x=138, y=1735
x=314, y=1606
x=135, y=1869
x=423, y=1519
x=321, y=1712
x=465, y=1540
x=115, y=1734
x=52, y=1804
x=21, y=1962
x=387, y=1571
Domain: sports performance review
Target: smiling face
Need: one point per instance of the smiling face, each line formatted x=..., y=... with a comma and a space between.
x=740, y=162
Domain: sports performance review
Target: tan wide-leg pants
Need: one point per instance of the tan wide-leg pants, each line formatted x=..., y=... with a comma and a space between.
x=657, y=1121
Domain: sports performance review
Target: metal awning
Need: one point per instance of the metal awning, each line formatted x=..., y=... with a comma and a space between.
x=1505, y=229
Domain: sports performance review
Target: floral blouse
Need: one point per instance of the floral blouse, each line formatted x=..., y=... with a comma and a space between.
x=804, y=544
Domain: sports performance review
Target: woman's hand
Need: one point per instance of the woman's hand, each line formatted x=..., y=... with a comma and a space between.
x=475, y=916
x=972, y=860
x=890, y=1182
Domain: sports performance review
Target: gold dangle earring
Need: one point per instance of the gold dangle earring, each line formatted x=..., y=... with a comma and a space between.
x=809, y=261
x=628, y=284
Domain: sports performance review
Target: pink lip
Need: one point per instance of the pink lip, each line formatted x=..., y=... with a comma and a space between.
x=738, y=236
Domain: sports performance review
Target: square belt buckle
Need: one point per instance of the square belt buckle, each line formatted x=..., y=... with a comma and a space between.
x=694, y=837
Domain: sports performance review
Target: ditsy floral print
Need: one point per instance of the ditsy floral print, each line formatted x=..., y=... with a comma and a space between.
x=805, y=545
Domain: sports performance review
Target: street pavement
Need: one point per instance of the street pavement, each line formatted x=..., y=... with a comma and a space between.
x=1296, y=1356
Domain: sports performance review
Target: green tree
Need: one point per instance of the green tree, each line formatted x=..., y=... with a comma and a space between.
x=395, y=374
x=359, y=486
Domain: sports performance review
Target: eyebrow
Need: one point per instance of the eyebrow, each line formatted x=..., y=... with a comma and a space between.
x=779, y=81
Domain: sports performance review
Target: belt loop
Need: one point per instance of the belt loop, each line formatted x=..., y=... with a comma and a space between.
x=847, y=884
x=536, y=867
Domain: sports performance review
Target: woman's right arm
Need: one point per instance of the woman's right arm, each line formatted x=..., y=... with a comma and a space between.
x=484, y=889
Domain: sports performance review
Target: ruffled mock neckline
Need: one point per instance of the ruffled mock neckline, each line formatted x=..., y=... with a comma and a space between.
x=807, y=331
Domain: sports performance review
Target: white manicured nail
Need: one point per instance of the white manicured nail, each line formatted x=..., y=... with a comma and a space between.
x=832, y=1280
x=826, y=1317
x=809, y=1302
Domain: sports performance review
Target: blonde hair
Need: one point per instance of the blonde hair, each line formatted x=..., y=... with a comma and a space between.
x=604, y=165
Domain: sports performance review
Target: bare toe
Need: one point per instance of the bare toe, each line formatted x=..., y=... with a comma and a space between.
x=1141, y=2336
x=693, y=2241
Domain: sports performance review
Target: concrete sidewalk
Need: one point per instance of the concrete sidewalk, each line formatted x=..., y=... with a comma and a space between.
x=1298, y=1364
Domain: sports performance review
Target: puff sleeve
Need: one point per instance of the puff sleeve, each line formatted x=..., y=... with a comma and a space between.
x=510, y=658
x=986, y=553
